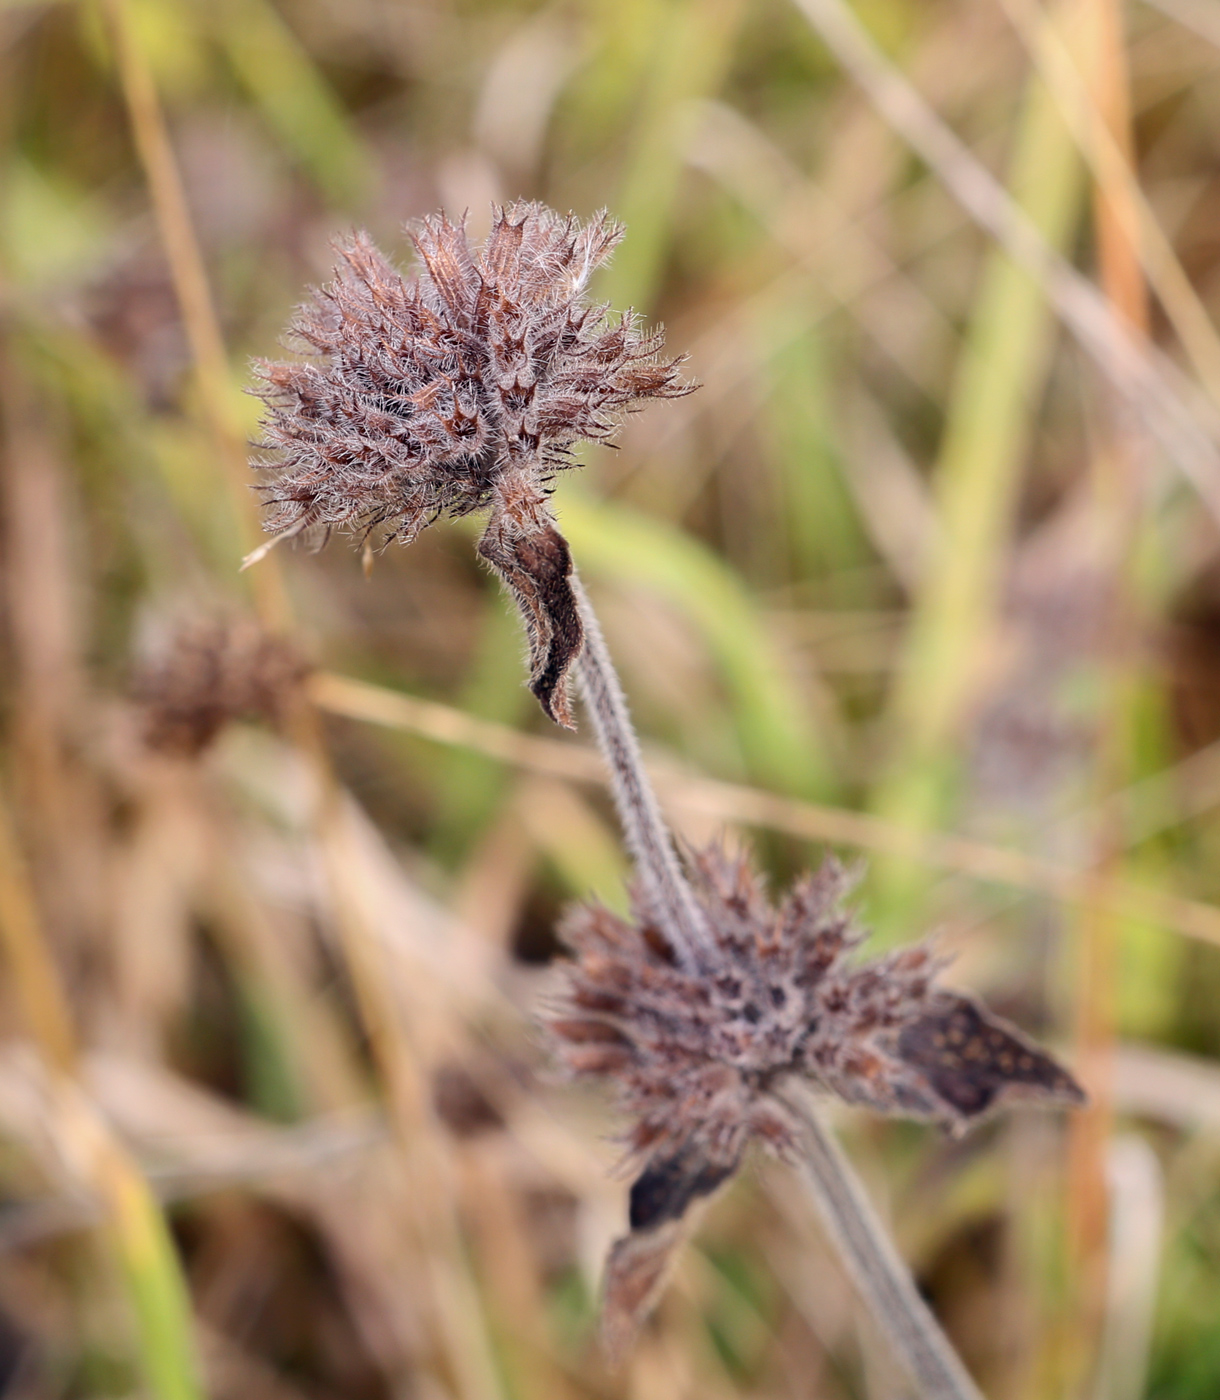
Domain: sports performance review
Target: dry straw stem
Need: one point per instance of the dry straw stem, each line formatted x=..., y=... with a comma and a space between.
x=203, y=331
x=191, y=288
x=1099, y=103
x=34, y=977
x=133, y=1219
x=1201, y=16
x=1141, y=374
x=735, y=803
x=1127, y=206
x=880, y=1276
x=460, y=1314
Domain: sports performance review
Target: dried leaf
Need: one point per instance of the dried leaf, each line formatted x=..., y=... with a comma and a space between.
x=637, y=1269
x=534, y=560
x=974, y=1061
x=669, y=1183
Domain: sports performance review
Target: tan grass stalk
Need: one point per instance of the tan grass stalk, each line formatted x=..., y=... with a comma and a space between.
x=34, y=976
x=194, y=295
x=1123, y=225
x=457, y=1310
x=133, y=1220
x=1140, y=374
x=733, y=802
x=459, y=1314
x=1201, y=16
x=1128, y=220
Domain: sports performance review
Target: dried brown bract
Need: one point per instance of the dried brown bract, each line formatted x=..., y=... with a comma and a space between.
x=696, y=1056
x=210, y=673
x=461, y=388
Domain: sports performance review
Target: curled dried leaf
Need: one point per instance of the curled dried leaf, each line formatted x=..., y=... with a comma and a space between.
x=668, y=1185
x=637, y=1269
x=535, y=563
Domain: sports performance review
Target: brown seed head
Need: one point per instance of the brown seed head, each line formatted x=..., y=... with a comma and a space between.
x=696, y=1056
x=460, y=388
x=210, y=673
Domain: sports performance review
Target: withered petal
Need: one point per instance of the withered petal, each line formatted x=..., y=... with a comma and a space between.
x=534, y=561
x=661, y=1219
x=972, y=1060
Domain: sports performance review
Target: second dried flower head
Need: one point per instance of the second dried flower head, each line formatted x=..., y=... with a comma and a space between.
x=462, y=388
x=702, y=1057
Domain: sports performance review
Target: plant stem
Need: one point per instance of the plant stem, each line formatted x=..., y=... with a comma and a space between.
x=880, y=1276
x=648, y=838
x=750, y=806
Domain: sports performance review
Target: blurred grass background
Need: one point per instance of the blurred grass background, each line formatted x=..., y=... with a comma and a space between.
x=904, y=576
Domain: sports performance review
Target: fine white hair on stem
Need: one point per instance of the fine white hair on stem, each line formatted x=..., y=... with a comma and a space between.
x=1140, y=373
x=644, y=828
x=879, y=1274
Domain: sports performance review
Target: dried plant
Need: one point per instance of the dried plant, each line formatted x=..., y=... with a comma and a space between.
x=711, y=1009
x=462, y=388
x=466, y=388
x=209, y=673
x=699, y=1056
x=696, y=1055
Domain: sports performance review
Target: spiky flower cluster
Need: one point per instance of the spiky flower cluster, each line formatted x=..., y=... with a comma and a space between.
x=461, y=388
x=696, y=1057
x=209, y=673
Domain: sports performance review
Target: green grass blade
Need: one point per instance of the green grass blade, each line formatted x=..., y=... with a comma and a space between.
x=988, y=430
x=691, y=50
x=293, y=96
x=772, y=718
x=156, y=1287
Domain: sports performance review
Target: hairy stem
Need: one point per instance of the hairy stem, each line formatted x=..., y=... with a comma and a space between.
x=644, y=828
x=880, y=1276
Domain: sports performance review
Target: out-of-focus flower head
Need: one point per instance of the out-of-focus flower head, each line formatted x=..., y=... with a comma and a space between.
x=460, y=388
x=209, y=672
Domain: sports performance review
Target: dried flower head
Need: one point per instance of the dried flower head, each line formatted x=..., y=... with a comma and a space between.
x=696, y=1057
x=210, y=673
x=461, y=388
